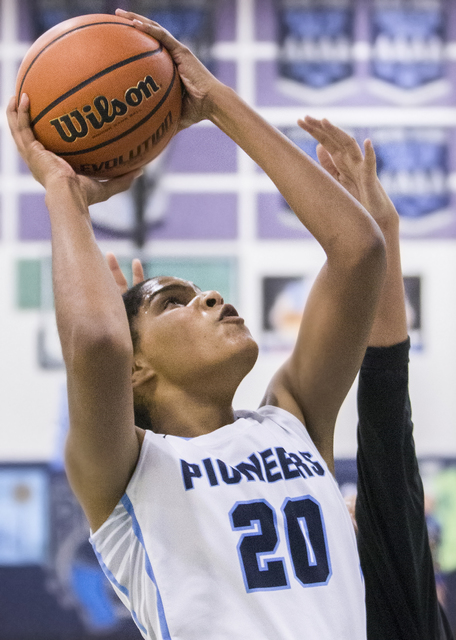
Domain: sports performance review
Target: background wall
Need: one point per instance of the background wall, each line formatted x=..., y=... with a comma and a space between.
x=381, y=69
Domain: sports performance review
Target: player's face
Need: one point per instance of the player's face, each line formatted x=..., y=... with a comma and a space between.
x=186, y=333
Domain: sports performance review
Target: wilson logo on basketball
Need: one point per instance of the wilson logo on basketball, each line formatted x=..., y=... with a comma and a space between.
x=75, y=124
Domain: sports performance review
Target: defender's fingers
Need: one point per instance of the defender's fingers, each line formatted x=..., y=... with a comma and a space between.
x=116, y=271
x=313, y=126
x=327, y=162
x=332, y=138
x=138, y=271
x=324, y=135
x=343, y=140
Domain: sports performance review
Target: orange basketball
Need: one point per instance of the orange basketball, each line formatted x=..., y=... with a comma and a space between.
x=104, y=96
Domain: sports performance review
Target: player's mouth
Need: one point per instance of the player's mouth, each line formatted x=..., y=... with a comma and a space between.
x=229, y=314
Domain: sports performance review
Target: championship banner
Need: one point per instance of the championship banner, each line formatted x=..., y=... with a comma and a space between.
x=144, y=210
x=408, y=42
x=45, y=14
x=413, y=166
x=315, y=48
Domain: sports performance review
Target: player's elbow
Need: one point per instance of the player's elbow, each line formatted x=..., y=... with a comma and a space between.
x=374, y=246
x=363, y=262
x=367, y=252
x=375, y=252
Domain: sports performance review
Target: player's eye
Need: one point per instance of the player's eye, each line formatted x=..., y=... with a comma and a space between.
x=173, y=301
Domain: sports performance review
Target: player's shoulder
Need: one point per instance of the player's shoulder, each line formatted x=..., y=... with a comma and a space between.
x=274, y=417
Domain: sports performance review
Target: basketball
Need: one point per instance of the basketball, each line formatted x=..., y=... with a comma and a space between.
x=104, y=96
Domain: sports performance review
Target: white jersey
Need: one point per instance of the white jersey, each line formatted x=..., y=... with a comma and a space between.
x=241, y=533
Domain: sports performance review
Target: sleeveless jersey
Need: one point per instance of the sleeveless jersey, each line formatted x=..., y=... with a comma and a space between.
x=241, y=533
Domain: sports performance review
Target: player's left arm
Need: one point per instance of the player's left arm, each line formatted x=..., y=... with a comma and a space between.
x=341, y=308
x=337, y=321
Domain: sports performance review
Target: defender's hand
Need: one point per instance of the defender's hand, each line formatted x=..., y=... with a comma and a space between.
x=121, y=281
x=197, y=80
x=341, y=156
x=48, y=169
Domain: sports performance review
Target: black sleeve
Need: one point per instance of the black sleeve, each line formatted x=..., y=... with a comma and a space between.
x=401, y=598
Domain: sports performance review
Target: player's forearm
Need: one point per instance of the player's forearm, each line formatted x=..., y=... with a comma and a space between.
x=327, y=210
x=89, y=308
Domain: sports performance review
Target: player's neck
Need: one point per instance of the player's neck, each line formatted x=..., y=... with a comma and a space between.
x=179, y=412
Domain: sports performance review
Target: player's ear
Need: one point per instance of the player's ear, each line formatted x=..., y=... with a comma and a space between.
x=142, y=372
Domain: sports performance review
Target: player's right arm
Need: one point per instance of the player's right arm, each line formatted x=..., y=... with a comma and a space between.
x=102, y=446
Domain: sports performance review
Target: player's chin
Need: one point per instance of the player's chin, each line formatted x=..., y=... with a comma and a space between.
x=249, y=349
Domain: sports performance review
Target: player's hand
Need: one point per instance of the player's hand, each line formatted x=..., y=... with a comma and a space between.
x=197, y=80
x=48, y=169
x=121, y=281
x=341, y=156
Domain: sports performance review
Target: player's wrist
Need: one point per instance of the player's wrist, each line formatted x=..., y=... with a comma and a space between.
x=65, y=189
x=220, y=103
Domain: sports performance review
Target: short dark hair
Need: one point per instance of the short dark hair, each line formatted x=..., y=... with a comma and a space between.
x=133, y=300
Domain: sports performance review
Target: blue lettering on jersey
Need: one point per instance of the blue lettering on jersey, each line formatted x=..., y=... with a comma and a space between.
x=247, y=469
x=269, y=465
x=189, y=471
x=235, y=476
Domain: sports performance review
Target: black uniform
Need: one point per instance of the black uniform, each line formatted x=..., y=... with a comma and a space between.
x=396, y=560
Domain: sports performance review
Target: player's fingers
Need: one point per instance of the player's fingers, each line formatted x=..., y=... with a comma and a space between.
x=11, y=111
x=138, y=271
x=326, y=161
x=369, y=156
x=13, y=117
x=116, y=271
x=108, y=188
x=152, y=28
x=23, y=115
x=23, y=129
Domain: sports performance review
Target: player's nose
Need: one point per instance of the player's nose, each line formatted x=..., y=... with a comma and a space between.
x=211, y=298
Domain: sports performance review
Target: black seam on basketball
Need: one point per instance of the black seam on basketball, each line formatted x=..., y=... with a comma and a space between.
x=98, y=75
x=63, y=35
x=125, y=133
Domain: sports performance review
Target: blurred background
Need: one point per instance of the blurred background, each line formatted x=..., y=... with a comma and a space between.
x=384, y=69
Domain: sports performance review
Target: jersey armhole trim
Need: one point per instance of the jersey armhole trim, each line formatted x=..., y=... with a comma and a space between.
x=111, y=577
x=125, y=500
